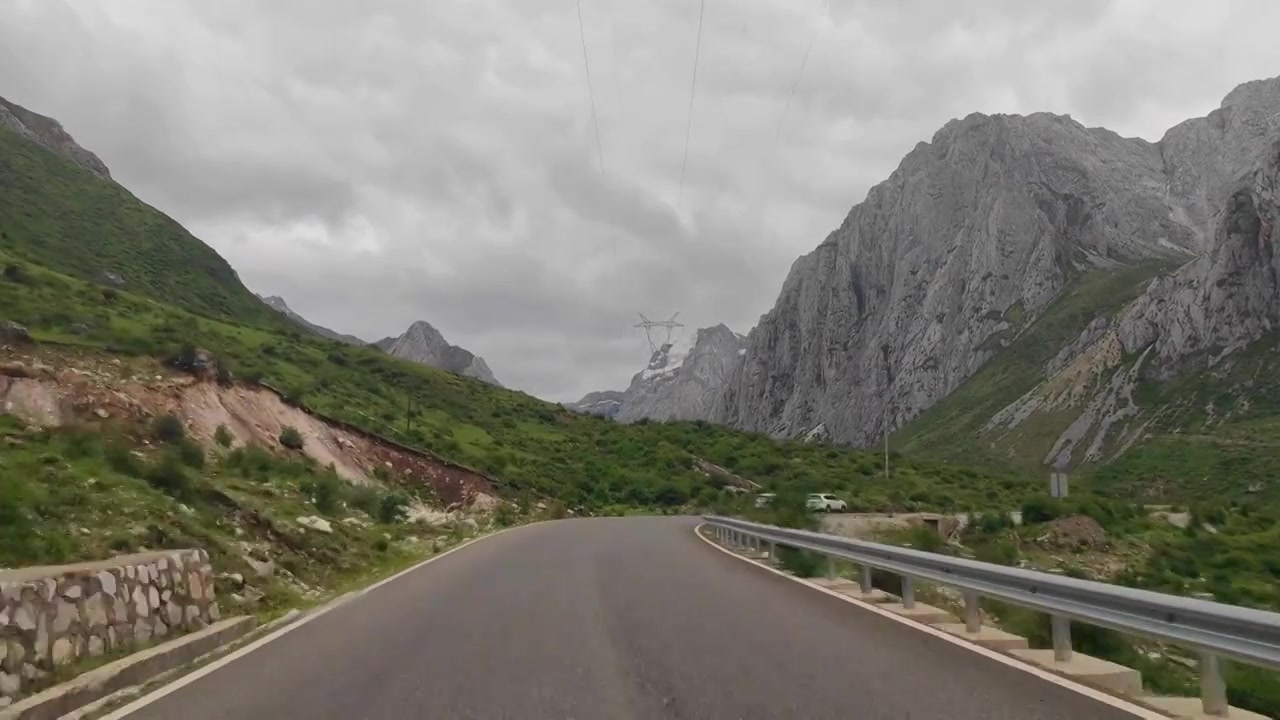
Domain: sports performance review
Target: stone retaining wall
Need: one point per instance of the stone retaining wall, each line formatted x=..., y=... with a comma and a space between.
x=52, y=616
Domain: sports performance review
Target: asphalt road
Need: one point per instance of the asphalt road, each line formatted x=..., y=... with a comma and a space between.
x=610, y=619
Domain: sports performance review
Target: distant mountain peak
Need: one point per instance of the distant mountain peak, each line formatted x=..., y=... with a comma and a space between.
x=277, y=303
x=423, y=343
x=682, y=380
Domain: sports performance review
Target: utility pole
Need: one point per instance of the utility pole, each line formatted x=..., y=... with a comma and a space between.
x=888, y=396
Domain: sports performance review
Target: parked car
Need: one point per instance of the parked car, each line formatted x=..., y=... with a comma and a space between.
x=764, y=499
x=825, y=502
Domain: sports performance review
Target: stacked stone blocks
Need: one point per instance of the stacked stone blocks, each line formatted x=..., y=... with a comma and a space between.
x=58, y=615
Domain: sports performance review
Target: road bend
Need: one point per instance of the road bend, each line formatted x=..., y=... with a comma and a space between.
x=610, y=619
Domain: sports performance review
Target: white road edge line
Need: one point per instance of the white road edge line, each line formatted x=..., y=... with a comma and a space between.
x=189, y=678
x=1098, y=695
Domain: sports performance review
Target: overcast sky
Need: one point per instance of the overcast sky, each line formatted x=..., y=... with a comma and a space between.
x=383, y=161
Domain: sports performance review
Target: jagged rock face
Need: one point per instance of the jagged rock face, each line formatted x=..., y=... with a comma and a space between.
x=605, y=403
x=683, y=380
x=422, y=343
x=972, y=236
x=1190, y=319
x=277, y=303
x=49, y=133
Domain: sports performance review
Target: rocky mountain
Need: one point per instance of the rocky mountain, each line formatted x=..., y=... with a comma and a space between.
x=980, y=232
x=605, y=403
x=277, y=303
x=422, y=343
x=49, y=132
x=682, y=381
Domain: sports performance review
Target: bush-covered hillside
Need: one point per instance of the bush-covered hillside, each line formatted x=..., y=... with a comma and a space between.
x=529, y=444
x=60, y=215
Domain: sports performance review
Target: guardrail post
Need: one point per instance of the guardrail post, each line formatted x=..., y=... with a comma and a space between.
x=866, y=580
x=773, y=552
x=1061, y=638
x=831, y=568
x=908, y=593
x=972, y=613
x=1213, y=689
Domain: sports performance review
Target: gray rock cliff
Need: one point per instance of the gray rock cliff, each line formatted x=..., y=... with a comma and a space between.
x=683, y=380
x=422, y=343
x=971, y=238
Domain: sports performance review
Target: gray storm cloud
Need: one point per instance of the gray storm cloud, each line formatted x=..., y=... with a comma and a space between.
x=385, y=161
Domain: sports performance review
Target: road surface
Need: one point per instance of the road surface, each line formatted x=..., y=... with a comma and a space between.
x=610, y=619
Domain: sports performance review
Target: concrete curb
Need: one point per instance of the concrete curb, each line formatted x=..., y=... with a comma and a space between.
x=102, y=705
x=132, y=670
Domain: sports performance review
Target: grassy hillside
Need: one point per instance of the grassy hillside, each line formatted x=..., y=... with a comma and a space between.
x=56, y=213
x=531, y=445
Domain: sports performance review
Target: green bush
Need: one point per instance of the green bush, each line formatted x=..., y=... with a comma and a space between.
x=222, y=436
x=121, y=459
x=381, y=544
x=393, y=508
x=802, y=563
x=191, y=454
x=168, y=428
x=366, y=499
x=326, y=492
x=291, y=438
x=1041, y=509
x=168, y=475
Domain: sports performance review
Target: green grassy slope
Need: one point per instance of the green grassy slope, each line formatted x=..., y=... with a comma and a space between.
x=56, y=213
x=529, y=444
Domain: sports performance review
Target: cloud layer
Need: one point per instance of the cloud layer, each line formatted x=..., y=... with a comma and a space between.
x=392, y=160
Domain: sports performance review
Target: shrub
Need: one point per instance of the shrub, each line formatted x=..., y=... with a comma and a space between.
x=326, y=493
x=381, y=544
x=802, y=563
x=122, y=460
x=222, y=436
x=168, y=428
x=1041, y=509
x=16, y=273
x=505, y=516
x=393, y=508
x=168, y=476
x=366, y=499
x=291, y=438
x=191, y=454
x=82, y=444
x=109, y=295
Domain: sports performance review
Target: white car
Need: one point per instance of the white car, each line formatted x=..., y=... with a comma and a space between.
x=825, y=502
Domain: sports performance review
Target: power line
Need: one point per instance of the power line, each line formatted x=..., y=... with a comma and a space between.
x=813, y=39
x=697, y=51
x=595, y=122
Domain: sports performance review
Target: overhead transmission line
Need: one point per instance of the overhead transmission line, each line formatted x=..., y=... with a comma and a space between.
x=595, y=121
x=813, y=39
x=693, y=86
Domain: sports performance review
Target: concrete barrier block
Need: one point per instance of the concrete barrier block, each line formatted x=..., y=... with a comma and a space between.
x=921, y=613
x=987, y=636
x=1086, y=669
x=1191, y=709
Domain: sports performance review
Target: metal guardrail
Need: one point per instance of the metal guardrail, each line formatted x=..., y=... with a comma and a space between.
x=1214, y=630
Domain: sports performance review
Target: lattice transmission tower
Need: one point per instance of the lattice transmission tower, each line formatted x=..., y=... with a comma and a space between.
x=650, y=325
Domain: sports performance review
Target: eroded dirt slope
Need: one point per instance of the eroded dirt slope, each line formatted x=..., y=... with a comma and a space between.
x=54, y=387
